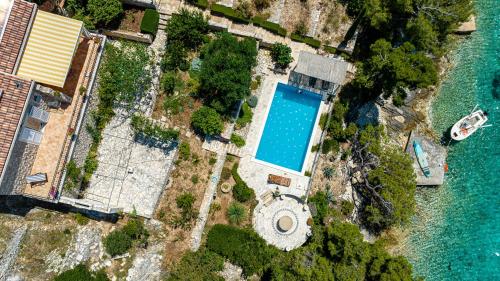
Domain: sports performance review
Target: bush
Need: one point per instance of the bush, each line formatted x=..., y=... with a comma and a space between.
x=117, y=243
x=203, y=4
x=72, y=171
x=150, y=21
x=135, y=229
x=320, y=201
x=195, y=179
x=229, y=13
x=242, y=192
x=225, y=174
x=252, y=101
x=103, y=12
x=269, y=26
x=322, y=121
x=184, y=151
x=168, y=82
x=242, y=247
x=236, y=213
x=185, y=201
x=186, y=29
x=262, y=4
x=212, y=161
x=245, y=117
x=175, y=58
x=305, y=39
x=198, y=266
x=346, y=207
x=330, y=145
x=207, y=121
x=328, y=172
x=237, y=140
x=81, y=219
x=281, y=55
x=330, y=49
x=81, y=273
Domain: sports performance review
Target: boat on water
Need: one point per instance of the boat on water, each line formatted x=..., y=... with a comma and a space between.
x=469, y=124
x=421, y=158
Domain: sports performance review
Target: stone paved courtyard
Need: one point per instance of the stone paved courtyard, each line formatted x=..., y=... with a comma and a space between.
x=130, y=176
x=267, y=219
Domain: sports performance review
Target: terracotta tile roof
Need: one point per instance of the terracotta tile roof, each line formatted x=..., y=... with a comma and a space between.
x=12, y=104
x=14, y=34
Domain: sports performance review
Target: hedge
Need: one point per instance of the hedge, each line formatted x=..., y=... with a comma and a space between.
x=203, y=4
x=150, y=21
x=242, y=247
x=229, y=13
x=270, y=26
x=330, y=49
x=241, y=191
x=305, y=39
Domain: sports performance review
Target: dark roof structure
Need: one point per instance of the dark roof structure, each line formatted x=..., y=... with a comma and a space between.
x=320, y=67
x=13, y=98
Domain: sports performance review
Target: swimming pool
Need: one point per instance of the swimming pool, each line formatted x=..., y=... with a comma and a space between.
x=289, y=126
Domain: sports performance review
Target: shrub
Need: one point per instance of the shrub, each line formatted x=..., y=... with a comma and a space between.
x=242, y=192
x=175, y=57
x=346, y=207
x=328, y=172
x=261, y=4
x=186, y=29
x=135, y=229
x=81, y=273
x=245, y=117
x=281, y=55
x=237, y=140
x=307, y=173
x=305, y=39
x=252, y=101
x=103, y=12
x=203, y=4
x=207, y=121
x=269, y=26
x=301, y=28
x=212, y=161
x=195, y=179
x=236, y=213
x=117, y=243
x=330, y=49
x=229, y=13
x=173, y=105
x=81, y=219
x=322, y=120
x=199, y=265
x=320, y=201
x=330, y=145
x=225, y=174
x=242, y=247
x=244, y=9
x=185, y=201
x=72, y=171
x=184, y=151
x=150, y=21
x=168, y=82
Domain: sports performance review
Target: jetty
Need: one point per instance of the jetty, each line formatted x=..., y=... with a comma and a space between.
x=436, y=156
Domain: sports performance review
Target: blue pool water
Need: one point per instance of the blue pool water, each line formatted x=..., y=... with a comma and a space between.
x=289, y=127
x=456, y=232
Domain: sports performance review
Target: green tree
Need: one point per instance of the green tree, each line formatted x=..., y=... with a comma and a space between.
x=186, y=29
x=225, y=74
x=207, y=121
x=103, y=12
x=81, y=273
x=281, y=55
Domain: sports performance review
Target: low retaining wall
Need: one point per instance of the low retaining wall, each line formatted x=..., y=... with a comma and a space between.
x=134, y=36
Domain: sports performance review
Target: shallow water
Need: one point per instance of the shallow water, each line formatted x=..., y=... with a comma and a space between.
x=456, y=232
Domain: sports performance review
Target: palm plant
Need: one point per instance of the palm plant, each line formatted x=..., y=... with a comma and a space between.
x=236, y=213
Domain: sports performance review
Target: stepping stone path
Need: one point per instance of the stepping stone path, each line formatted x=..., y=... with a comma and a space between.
x=315, y=15
x=276, y=11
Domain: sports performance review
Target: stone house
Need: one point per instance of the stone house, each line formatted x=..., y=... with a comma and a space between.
x=47, y=69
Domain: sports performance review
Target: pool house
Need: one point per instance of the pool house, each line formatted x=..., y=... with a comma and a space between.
x=318, y=74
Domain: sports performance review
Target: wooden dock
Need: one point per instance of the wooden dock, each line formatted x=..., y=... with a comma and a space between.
x=436, y=156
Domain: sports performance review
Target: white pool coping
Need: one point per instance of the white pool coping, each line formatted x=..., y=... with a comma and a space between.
x=309, y=145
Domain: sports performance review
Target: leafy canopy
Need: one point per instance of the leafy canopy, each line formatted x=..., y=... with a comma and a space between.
x=281, y=55
x=207, y=120
x=225, y=74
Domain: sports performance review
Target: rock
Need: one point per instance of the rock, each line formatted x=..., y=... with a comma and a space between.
x=467, y=27
x=163, y=119
x=399, y=118
x=188, y=134
x=357, y=177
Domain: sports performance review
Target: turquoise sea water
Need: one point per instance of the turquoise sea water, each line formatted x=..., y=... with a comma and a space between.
x=456, y=232
x=289, y=126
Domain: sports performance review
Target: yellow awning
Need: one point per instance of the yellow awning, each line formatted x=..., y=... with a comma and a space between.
x=49, y=51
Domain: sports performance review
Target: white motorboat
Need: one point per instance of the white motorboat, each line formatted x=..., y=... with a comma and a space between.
x=469, y=124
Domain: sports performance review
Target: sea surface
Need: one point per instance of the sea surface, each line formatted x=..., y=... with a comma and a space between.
x=456, y=232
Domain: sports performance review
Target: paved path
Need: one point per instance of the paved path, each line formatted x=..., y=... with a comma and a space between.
x=207, y=200
x=10, y=254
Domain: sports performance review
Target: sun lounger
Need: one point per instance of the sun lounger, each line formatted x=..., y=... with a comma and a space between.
x=36, y=178
x=279, y=180
x=267, y=198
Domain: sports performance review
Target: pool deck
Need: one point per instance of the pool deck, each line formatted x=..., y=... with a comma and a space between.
x=255, y=172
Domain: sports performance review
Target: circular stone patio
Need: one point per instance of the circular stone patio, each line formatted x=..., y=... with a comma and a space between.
x=283, y=223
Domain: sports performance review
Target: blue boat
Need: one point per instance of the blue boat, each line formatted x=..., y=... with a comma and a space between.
x=421, y=158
